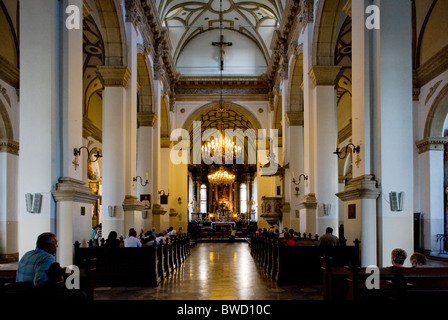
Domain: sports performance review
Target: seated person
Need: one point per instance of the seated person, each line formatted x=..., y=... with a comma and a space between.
x=131, y=240
x=328, y=239
x=418, y=260
x=398, y=256
x=112, y=240
x=288, y=241
x=149, y=239
x=34, y=264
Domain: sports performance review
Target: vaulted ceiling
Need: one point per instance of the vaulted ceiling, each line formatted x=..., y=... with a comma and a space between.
x=256, y=20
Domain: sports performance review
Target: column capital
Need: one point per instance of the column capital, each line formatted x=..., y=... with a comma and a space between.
x=146, y=119
x=362, y=187
x=432, y=144
x=325, y=75
x=113, y=76
x=309, y=201
x=131, y=203
x=70, y=189
x=294, y=118
x=9, y=146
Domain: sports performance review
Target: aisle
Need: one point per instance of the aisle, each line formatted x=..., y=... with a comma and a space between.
x=215, y=271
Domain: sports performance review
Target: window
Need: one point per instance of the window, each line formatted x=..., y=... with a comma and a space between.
x=243, y=198
x=203, y=200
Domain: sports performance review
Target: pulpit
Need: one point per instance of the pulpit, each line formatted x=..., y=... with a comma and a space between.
x=271, y=209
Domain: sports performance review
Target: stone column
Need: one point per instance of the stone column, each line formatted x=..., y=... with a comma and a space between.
x=40, y=163
x=393, y=119
x=132, y=206
x=308, y=204
x=431, y=163
x=157, y=216
x=294, y=124
x=114, y=80
x=324, y=124
x=360, y=195
x=145, y=139
x=9, y=151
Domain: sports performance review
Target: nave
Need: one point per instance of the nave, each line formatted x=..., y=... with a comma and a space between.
x=214, y=271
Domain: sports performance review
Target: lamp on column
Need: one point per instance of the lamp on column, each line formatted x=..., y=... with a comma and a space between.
x=355, y=149
x=77, y=152
x=298, y=183
x=141, y=180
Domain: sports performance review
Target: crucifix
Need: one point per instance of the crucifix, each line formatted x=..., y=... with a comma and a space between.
x=222, y=44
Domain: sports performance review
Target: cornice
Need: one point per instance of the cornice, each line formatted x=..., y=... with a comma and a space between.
x=325, y=75
x=309, y=201
x=294, y=118
x=9, y=146
x=131, y=203
x=431, y=144
x=69, y=189
x=146, y=119
x=363, y=187
x=113, y=76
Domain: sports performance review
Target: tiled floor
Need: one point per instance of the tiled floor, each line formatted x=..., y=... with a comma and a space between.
x=215, y=271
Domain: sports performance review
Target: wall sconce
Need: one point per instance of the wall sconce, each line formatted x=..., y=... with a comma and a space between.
x=163, y=197
x=355, y=149
x=77, y=152
x=141, y=180
x=298, y=183
x=179, y=200
x=396, y=201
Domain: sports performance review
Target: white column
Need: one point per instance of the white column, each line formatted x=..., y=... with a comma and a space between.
x=155, y=154
x=360, y=195
x=39, y=85
x=324, y=125
x=308, y=203
x=8, y=200
x=114, y=79
x=431, y=163
x=393, y=90
x=132, y=206
x=144, y=158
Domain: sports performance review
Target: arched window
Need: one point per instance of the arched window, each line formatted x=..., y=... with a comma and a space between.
x=203, y=200
x=243, y=198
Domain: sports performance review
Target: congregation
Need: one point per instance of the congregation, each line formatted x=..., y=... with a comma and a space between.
x=148, y=238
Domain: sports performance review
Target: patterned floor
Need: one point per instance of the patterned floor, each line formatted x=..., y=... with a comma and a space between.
x=215, y=271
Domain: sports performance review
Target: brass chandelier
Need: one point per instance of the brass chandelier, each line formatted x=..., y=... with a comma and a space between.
x=221, y=177
x=217, y=149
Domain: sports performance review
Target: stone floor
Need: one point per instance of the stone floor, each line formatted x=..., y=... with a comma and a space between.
x=215, y=271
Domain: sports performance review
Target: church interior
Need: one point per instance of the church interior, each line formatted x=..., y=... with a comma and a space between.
x=229, y=115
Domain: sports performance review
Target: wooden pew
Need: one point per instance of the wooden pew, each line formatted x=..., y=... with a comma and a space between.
x=399, y=284
x=302, y=263
x=120, y=266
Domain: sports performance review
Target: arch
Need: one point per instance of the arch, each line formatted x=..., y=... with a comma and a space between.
x=437, y=114
x=229, y=105
x=9, y=49
x=295, y=84
x=111, y=16
x=145, y=81
x=328, y=16
x=164, y=118
x=6, y=131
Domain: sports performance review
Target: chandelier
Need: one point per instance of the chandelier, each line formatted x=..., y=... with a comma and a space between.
x=221, y=177
x=217, y=149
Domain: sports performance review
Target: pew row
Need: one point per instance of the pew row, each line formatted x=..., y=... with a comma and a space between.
x=300, y=264
x=144, y=266
x=345, y=283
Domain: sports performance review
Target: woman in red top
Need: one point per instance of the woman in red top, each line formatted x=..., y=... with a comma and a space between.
x=288, y=241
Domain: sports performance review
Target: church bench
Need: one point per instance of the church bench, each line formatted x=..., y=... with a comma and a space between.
x=301, y=263
x=144, y=266
x=394, y=284
x=120, y=266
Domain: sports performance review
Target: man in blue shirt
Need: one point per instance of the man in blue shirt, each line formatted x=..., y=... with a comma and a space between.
x=34, y=264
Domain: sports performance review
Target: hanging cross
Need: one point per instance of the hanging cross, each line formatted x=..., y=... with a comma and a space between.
x=222, y=44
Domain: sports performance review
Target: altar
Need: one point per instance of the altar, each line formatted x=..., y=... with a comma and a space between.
x=224, y=224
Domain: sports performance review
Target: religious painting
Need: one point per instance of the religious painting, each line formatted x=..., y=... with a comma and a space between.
x=146, y=200
x=352, y=211
x=223, y=193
